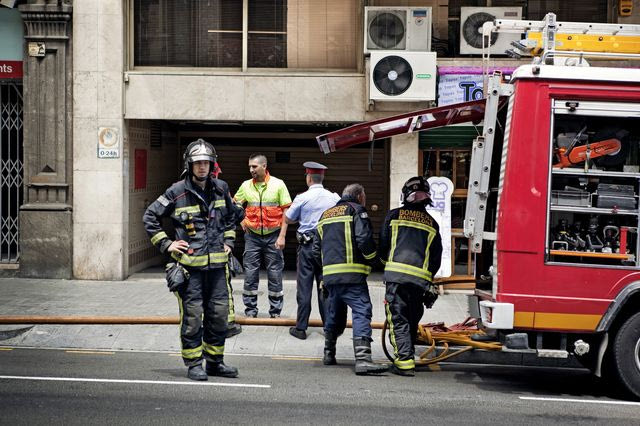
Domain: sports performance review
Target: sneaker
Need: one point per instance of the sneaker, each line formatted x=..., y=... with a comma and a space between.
x=196, y=373
x=274, y=315
x=297, y=333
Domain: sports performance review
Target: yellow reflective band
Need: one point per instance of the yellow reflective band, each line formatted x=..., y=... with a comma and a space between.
x=335, y=219
x=431, y=236
x=229, y=234
x=384, y=262
x=231, y=317
x=219, y=203
x=158, y=237
x=190, y=260
x=188, y=209
x=405, y=365
x=346, y=268
x=370, y=256
x=413, y=225
x=392, y=334
x=347, y=242
x=213, y=350
x=408, y=269
x=220, y=257
x=192, y=353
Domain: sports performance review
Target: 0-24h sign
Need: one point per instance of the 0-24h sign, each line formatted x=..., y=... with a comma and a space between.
x=108, y=142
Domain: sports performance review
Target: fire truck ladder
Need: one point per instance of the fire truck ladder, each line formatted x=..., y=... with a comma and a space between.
x=548, y=38
x=480, y=168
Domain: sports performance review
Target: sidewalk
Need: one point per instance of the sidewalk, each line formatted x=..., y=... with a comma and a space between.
x=145, y=294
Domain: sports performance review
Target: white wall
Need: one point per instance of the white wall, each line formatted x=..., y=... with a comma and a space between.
x=404, y=164
x=99, y=202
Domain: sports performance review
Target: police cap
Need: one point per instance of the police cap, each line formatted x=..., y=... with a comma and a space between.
x=313, y=168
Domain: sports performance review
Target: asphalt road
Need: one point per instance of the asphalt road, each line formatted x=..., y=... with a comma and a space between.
x=50, y=386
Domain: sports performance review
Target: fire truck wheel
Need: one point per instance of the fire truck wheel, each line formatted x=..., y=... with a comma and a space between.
x=626, y=354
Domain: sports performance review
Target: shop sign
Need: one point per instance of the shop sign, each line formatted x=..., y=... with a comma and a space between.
x=10, y=69
x=441, y=192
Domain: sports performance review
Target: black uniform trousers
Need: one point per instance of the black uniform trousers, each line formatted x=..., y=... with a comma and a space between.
x=204, y=309
x=308, y=271
x=404, y=308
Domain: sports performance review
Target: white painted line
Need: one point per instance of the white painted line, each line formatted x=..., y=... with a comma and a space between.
x=142, y=382
x=586, y=401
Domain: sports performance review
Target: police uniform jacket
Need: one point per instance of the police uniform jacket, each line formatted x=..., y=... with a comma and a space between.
x=345, y=244
x=410, y=246
x=206, y=219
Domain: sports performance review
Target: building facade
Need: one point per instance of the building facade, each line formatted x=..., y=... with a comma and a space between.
x=114, y=89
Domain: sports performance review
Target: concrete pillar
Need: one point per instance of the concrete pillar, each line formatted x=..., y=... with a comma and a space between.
x=45, y=216
x=100, y=208
x=404, y=164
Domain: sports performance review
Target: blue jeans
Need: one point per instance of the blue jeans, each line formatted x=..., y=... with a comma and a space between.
x=356, y=296
x=257, y=248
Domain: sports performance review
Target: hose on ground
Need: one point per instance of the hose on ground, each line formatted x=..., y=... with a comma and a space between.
x=438, y=336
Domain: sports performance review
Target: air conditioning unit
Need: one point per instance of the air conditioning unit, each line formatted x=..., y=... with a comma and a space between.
x=397, y=28
x=471, y=20
x=402, y=76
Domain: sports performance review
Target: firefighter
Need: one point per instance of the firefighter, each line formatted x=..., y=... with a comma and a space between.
x=345, y=248
x=410, y=249
x=306, y=209
x=233, y=328
x=202, y=212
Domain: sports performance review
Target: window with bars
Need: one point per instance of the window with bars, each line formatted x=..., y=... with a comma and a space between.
x=302, y=34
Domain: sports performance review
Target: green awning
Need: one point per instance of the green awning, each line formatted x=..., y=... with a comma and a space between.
x=449, y=137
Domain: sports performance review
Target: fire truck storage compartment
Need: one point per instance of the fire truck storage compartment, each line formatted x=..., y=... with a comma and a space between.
x=594, y=183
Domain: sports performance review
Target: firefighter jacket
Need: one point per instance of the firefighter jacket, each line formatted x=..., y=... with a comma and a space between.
x=206, y=219
x=265, y=201
x=345, y=245
x=410, y=246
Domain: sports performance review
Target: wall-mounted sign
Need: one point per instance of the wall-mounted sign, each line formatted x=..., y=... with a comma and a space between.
x=463, y=84
x=10, y=69
x=108, y=142
x=37, y=49
x=441, y=192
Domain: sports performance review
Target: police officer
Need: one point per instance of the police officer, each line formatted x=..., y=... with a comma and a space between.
x=411, y=250
x=345, y=247
x=306, y=210
x=201, y=210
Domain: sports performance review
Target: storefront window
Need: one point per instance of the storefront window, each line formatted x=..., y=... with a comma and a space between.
x=278, y=33
x=453, y=164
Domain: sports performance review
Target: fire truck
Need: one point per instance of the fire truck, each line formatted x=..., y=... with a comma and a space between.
x=552, y=211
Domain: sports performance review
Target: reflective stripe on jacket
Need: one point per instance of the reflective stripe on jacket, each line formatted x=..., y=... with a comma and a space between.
x=264, y=203
x=410, y=246
x=345, y=244
x=205, y=227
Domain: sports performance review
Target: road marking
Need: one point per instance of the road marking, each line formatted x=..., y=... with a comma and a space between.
x=586, y=401
x=140, y=382
x=6, y=349
x=91, y=352
x=294, y=358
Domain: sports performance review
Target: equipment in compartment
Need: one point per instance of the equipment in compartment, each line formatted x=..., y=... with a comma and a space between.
x=616, y=196
x=570, y=197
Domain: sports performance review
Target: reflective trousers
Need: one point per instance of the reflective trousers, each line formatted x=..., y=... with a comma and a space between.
x=204, y=309
x=356, y=296
x=404, y=310
x=308, y=271
x=256, y=248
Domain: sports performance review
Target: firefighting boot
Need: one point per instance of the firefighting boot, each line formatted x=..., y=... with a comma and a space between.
x=364, y=364
x=233, y=329
x=196, y=373
x=408, y=372
x=329, y=348
x=221, y=369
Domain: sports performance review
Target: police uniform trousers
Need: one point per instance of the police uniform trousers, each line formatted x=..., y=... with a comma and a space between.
x=404, y=309
x=356, y=296
x=204, y=309
x=308, y=271
x=257, y=247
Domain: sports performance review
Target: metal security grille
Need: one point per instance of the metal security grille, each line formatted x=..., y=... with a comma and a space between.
x=10, y=170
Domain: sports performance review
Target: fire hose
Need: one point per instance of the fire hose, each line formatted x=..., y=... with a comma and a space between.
x=437, y=335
